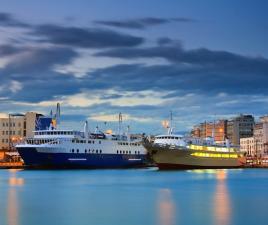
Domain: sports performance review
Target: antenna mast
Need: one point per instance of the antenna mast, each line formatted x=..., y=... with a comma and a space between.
x=120, y=123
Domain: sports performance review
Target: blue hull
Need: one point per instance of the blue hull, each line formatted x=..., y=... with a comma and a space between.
x=33, y=158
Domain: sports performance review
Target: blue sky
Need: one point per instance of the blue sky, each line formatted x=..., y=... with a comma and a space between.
x=201, y=59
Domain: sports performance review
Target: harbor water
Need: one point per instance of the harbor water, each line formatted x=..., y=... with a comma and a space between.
x=134, y=197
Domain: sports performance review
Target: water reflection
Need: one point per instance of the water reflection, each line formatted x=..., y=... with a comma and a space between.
x=166, y=208
x=222, y=207
x=12, y=204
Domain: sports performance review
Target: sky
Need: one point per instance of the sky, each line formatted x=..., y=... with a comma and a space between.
x=204, y=60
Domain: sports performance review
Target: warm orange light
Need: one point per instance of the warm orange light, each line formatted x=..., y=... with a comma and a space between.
x=13, y=181
x=221, y=175
x=165, y=123
x=109, y=131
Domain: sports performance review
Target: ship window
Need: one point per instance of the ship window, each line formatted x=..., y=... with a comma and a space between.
x=126, y=143
x=88, y=150
x=85, y=151
x=117, y=151
x=100, y=151
x=120, y=152
x=73, y=150
x=77, y=150
x=123, y=152
x=72, y=141
x=99, y=142
x=96, y=151
x=89, y=142
x=92, y=142
x=81, y=141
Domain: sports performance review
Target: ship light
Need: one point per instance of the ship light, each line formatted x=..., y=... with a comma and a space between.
x=214, y=155
x=109, y=131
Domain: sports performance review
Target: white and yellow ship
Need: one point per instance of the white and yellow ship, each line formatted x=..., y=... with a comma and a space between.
x=173, y=151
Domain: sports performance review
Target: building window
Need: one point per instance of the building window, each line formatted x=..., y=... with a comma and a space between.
x=99, y=142
x=77, y=150
x=100, y=151
x=85, y=151
x=97, y=151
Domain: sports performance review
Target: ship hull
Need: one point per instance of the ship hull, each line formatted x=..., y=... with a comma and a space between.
x=33, y=158
x=166, y=158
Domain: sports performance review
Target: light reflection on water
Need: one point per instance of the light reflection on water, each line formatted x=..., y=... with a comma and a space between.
x=222, y=208
x=12, y=203
x=166, y=208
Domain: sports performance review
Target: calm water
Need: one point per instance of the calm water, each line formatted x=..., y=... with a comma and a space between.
x=138, y=197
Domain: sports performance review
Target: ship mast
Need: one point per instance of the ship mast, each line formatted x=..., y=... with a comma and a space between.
x=171, y=125
x=120, y=119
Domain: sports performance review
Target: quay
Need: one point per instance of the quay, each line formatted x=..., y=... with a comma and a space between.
x=11, y=165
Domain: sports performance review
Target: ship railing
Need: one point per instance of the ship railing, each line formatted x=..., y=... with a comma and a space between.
x=170, y=146
x=34, y=141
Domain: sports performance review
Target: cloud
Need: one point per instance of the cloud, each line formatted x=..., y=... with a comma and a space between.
x=7, y=50
x=200, y=56
x=85, y=37
x=114, y=98
x=195, y=83
x=7, y=19
x=36, y=60
x=15, y=86
x=142, y=23
x=114, y=118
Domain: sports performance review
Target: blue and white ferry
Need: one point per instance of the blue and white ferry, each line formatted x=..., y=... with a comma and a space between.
x=82, y=149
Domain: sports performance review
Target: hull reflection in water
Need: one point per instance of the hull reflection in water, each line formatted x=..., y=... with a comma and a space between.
x=166, y=208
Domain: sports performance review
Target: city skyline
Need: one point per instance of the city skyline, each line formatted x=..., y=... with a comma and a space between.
x=199, y=59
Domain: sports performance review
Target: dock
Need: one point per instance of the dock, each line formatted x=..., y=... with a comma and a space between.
x=11, y=165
